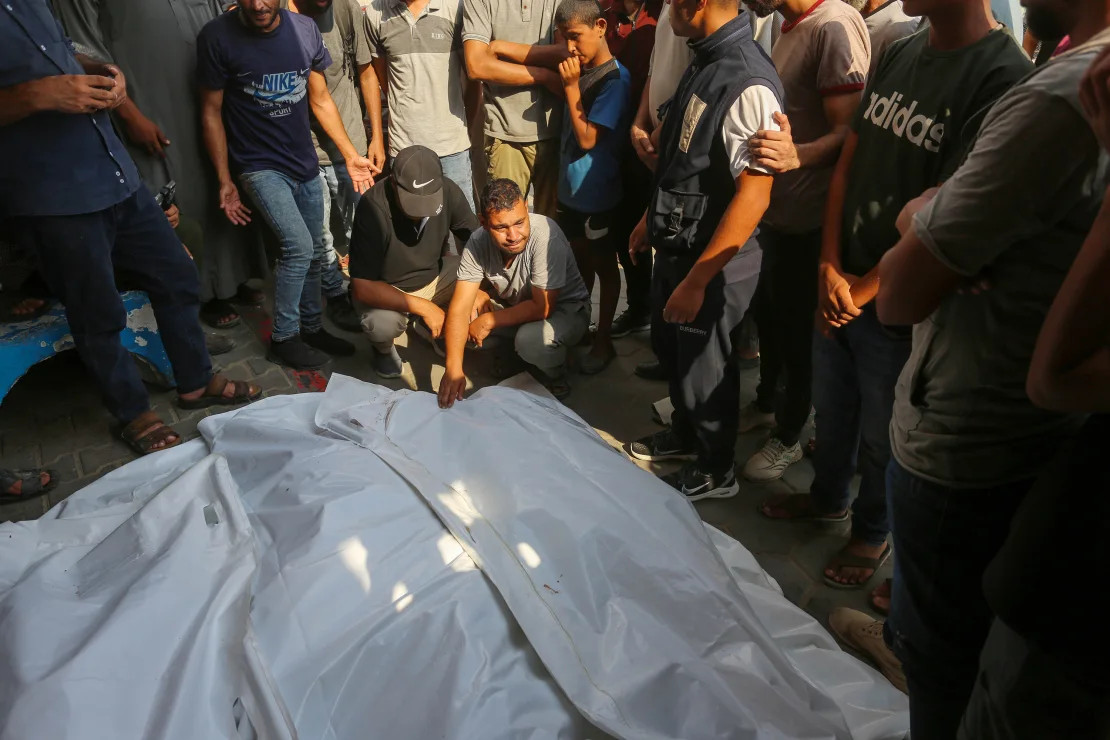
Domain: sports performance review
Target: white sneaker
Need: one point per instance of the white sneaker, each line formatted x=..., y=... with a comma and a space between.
x=864, y=634
x=772, y=461
x=752, y=418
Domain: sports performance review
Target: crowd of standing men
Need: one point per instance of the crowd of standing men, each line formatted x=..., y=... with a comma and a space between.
x=897, y=174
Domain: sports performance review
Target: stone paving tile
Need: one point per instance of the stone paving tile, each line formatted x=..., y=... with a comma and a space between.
x=795, y=585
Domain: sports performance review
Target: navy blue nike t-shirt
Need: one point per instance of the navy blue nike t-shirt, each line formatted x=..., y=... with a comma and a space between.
x=264, y=77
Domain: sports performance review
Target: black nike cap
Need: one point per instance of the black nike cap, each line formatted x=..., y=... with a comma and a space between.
x=418, y=177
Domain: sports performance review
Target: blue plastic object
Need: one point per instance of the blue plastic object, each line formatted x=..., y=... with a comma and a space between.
x=24, y=344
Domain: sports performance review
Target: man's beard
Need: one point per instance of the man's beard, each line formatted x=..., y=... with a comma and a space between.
x=763, y=8
x=857, y=4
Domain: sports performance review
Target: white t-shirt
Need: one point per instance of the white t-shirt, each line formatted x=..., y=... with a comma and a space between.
x=753, y=111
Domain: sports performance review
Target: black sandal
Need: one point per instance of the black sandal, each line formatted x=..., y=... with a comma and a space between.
x=145, y=431
x=219, y=314
x=32, y=484
x=242, y=392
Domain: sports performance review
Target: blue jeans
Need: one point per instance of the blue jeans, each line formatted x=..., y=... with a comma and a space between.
x=79, y=257
x=944, y=538
x=295, y=213
x=855, y=371
x=340, y=200
x=456, y=167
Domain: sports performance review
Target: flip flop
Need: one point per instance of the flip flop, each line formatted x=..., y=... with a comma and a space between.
x=797, y=504
x=32, y=484
x=844, y=559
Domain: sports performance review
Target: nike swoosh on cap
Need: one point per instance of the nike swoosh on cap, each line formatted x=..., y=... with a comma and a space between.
x=417, y=187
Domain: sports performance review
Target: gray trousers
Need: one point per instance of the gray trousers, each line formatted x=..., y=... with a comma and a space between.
x=544, y=344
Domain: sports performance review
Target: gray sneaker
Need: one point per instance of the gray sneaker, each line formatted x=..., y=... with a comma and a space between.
x=386, y=364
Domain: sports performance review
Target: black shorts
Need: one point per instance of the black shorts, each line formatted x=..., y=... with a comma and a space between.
x=590, y=226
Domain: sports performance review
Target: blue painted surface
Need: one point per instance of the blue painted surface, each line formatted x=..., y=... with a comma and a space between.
x=23, y=344
x=1010, y=13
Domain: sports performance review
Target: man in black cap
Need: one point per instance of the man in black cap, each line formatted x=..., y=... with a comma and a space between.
x=401, y=271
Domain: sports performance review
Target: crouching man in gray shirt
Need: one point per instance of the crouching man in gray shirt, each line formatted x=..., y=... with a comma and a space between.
x=536, y=297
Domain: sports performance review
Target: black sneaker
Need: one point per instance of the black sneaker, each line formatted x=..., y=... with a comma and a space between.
x=343, y=314
x=386, y=364
x=294, y=353
x=696, y=484
x=630, y=323
x=325, y=342
x=652, y=370
x=663, y=445
x=420, y=329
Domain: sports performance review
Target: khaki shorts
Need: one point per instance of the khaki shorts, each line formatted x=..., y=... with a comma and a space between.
x=535, y=163
x=382, y=326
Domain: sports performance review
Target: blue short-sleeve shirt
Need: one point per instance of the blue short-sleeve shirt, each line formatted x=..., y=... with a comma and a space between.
x=264, y=77
x=54, y=164
x=590, y=181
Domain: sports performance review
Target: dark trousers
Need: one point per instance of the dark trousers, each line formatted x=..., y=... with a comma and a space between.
x=698, y=359
x=784, y=308
x=637, y=277
x=79, y=257
x=1027, y=693
x=939, y=617
x=855, y=371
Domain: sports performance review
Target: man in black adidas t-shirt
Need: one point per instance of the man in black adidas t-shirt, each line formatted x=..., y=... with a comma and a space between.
x=399, y=266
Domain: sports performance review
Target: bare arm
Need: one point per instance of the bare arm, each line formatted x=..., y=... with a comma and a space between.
x=327, y=115
x=640, y=131
x=215, y=137
x=483, y=65
x=1070, y=370
x=215, y=141
x=753, y=194
x=379, y=294
x=912, y=282
x=537, y=309
x=777, y=151
x=586, y=133
x=453, y=383
x=372, y=95
x=536, y=55
x=834, y=203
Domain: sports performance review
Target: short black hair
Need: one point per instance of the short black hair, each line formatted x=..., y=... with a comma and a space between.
x=586, y=12
x=498, y=195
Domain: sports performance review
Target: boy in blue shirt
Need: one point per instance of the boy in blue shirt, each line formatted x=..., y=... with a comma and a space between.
x=598, y=113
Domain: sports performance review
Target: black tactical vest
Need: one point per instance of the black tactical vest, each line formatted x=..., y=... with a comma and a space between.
x=693, y=180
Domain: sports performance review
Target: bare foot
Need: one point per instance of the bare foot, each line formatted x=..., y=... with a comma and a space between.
x=880, y=597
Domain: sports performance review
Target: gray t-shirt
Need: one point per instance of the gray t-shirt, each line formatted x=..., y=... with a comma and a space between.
x=1016, y=212
x=547, y=262
x=520, y=114
x=424, y=73
x=344, y=33
x=886, y=25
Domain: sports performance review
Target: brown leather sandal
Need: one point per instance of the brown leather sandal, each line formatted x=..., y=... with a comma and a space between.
x=214, y=394
x=146, y=430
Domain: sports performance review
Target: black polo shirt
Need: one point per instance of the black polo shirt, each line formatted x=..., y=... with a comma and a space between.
x=389, y=246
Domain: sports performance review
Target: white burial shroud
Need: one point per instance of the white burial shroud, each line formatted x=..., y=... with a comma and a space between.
x=361, y=564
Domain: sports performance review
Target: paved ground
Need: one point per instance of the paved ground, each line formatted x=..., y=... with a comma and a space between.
x=53, y=418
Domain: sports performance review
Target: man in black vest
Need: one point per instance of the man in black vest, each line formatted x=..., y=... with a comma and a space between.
x=707, y=200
